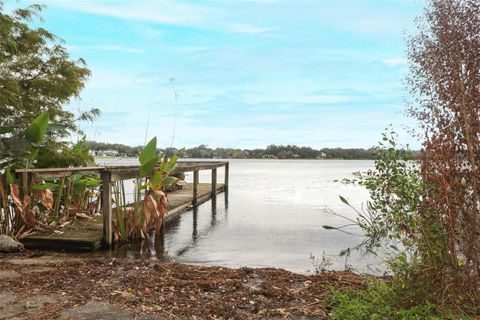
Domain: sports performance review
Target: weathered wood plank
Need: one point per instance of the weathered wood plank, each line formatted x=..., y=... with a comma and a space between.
x=227, y=173
x=107, y=207
x=182, y=166
x=195, y=186
x=118, y=175
x=186, y=166
x=214, y=182
x=53, y=170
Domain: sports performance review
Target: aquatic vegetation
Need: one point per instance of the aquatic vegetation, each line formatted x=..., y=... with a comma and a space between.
x=50, y=203
x=31, y=205
x=146, y=213
x=17, y=206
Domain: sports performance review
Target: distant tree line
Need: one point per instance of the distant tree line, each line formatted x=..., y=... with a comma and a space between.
x=270, y=152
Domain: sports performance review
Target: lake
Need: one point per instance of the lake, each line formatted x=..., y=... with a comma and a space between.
x=272, y=216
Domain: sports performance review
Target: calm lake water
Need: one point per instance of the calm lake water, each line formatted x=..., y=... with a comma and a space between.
x=272, y=216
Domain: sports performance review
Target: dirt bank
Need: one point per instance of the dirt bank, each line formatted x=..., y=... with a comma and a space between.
x=34, y=286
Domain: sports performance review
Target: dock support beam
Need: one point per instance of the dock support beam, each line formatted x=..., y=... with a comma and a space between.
x=214, y=182
x=195, y=186
x=107, y=207
x=227, y=169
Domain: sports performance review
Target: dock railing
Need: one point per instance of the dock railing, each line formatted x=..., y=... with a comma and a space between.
x=111, y=174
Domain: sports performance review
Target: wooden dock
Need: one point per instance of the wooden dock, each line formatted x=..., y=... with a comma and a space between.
x=91, y=234
x=87, y=234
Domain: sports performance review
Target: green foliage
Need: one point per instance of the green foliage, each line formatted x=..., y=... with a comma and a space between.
x=37, y=129
x=397, y=222
x=77, y=193
x=65, y=156
x=135, y=221
x=396, y=191
x=148, y=158
x=391, y=218
x=378, y=301
x=398, y=219
x=8, y=175
x=36, y=75
x=48, y=202
x=20, y=150
x=149, y=151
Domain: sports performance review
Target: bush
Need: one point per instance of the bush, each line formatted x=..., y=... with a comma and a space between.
x=63, y=158
x=399, y=221
x=378, y=301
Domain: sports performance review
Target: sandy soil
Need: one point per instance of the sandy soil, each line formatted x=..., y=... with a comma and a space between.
x=39, y=286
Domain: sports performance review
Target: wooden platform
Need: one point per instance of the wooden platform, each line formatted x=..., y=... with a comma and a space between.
x=88, y=234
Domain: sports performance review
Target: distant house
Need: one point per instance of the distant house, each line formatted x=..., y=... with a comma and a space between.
x=322, y=155
x=269, y=156
x=107, y=153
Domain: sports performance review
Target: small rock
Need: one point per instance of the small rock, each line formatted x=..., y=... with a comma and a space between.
x=8, y=245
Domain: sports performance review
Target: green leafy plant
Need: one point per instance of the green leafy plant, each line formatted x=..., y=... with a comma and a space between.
x=17, y=208
x=65, y=155
x=41, y=205
x=378, y=301
x=150, y=199
x=37, y=78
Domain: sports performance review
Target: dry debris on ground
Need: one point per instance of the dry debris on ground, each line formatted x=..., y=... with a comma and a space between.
x=51, y=288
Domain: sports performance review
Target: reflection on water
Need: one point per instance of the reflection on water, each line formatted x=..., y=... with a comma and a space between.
x=271, y=217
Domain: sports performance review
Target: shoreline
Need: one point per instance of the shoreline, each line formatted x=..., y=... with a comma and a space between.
x=227, y=159
x=56, y=286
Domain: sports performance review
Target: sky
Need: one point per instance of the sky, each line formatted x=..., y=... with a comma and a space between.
x=243, y=74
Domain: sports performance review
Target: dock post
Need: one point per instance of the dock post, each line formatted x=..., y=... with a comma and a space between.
x=214, y=182
x=25, y=177
x=227, y=165
x=195, y=187
x=107, y=207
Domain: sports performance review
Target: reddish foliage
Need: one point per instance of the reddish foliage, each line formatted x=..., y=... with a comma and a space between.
x=445, y=84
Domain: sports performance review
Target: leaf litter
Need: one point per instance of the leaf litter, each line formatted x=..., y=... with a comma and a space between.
x=174, y=290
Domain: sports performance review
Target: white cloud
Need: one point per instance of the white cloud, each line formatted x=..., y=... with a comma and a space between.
x=150, y=33
x=158, y=12
x=105, y=47
x=394, y=61
x=102, y=78
x=113, y=47
x=302, y=99
x=245, y=28
x=164, y=12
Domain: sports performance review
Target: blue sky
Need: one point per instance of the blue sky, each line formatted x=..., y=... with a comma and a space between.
x=247, y=73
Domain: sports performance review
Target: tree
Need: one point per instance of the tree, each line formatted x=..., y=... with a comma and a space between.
x=444, y=82
x=37, y=75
